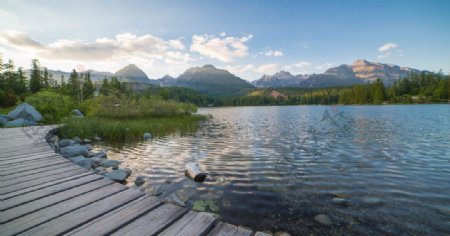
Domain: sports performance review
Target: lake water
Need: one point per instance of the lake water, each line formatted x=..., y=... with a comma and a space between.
x=373, y=170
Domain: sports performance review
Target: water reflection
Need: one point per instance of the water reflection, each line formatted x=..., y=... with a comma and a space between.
x=370, y=169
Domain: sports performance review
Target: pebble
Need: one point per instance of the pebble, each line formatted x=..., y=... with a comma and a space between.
x=323, y=219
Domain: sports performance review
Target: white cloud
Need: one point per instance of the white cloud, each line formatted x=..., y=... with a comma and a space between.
x=298, y=68
x=386, y=50
x=122, y=46
x=273, y=53
x=240, y=69
x=176, y=44
x=225, y=49
x=324, y=66
x=387, y=47
x=267, y=69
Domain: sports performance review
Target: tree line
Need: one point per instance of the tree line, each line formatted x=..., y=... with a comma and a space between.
x=16, y=84
x=425, y=87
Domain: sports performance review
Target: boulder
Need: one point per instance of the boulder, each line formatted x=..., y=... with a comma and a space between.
x=77, y=140
x=100, y=170
x=111, y=163
x=147, y=136
x=75, y=150
x=118, y=175
x=66, y=142
x=140, y=180
x=19, y=122
x=3, y=119
x=194, y=172
x=86, y=163
x=25, y=111
x=101, y=154
x=77, y=113
x=77, y=159
x=98, y=161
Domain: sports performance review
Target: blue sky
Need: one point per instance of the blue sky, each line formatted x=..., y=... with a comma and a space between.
x=249, y=38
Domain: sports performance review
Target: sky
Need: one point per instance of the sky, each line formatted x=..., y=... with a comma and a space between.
x=248, y=38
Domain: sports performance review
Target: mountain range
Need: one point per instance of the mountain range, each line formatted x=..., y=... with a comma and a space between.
x=359, y=72
x=213, y=81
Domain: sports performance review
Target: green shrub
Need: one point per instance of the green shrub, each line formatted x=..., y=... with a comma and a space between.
x=53, y=106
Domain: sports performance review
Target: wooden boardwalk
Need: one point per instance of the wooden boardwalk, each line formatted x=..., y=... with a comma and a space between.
x=42, y=193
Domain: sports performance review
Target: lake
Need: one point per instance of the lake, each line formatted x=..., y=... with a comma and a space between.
x=372, y=170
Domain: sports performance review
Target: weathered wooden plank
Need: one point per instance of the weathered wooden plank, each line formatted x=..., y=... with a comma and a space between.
x=40, y=181
x=25, y=149
x=118, y=218
x=27, y=158
x=49, y=166
x=192, y=223
x=14, y=157
x=153, y=222
x=50, y=171
x=29, y=190
x=83, y=215
x=26, y=222
x=35, y=205
x=29, y=162
x=12, y=202
x=24, y=168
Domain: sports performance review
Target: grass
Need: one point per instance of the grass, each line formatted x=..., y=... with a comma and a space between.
x=127, y=129
x=5, y=111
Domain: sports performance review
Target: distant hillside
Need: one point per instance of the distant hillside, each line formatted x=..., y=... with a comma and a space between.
x=213, y=81
x=360, y=71
x=132, y=73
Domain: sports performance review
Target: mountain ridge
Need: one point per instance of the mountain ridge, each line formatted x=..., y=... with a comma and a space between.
x=360, y=71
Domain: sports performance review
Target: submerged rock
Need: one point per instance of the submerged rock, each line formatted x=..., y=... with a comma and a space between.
x=340, y=201
x=25, y=111
x=140, y=180
x=118, y=175
x=154, y=191
x=372, y=201
x=174, y=199
x=147, y=136
x=323, y=219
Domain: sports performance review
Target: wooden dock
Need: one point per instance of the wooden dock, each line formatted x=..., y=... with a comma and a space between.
x=43, y=193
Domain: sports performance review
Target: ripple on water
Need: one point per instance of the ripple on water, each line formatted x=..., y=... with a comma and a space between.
x=276, y=168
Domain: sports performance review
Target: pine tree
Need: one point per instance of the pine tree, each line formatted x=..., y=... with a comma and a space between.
x=378, y=92
x=35, y=79
x=104, y=89
x=73, y=86
x=88, y=87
